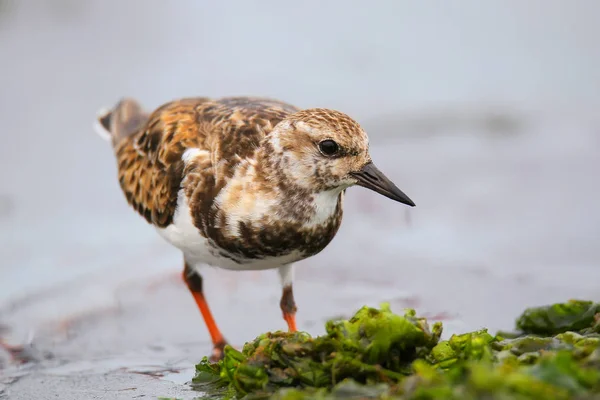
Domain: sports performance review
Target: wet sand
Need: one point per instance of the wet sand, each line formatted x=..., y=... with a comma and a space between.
x=475, y=260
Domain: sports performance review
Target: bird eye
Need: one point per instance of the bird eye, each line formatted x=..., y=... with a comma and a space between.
x=329, y=147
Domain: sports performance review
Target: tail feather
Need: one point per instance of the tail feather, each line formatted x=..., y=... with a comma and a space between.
x=125, y=119
x=102, y=124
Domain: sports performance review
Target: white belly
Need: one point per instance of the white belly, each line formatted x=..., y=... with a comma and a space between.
x=197, y=249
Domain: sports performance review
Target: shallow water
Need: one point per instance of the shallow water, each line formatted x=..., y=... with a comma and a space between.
x=506, y=194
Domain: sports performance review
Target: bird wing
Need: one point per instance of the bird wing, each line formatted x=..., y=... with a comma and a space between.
x=223, y=131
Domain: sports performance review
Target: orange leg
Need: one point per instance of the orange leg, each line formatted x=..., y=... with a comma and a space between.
x=194, y=282
x=288, y=306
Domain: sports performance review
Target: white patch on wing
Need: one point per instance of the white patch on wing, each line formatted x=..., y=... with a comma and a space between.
x=192, y=153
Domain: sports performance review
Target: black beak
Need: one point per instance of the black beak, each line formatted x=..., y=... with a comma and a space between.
x=372, y=178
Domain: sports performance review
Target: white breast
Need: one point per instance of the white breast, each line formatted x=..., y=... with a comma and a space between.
x=198, y=250
x=326, y=204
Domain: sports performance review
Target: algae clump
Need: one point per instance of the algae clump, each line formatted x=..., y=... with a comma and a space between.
x=377, y=354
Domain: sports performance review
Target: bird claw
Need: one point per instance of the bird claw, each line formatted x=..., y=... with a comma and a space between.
x=217, y=352
x=217, y=355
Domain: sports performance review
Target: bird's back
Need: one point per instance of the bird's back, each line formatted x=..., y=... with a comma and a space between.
x=150, y=148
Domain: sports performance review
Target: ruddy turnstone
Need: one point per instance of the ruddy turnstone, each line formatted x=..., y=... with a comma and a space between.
x=241, y=183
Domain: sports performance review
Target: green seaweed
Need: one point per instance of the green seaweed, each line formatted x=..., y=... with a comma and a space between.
x=377, y=354
x=573, y=315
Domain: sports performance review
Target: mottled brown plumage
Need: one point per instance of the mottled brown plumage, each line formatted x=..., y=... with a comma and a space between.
x=241, y=183
x=149, y=153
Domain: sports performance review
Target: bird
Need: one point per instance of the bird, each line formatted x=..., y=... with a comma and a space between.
x=240, y=183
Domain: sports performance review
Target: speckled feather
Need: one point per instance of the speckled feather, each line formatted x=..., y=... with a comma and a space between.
x=248, y=192
x=150, y=157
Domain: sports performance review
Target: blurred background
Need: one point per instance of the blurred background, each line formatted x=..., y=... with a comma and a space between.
x=484, y=113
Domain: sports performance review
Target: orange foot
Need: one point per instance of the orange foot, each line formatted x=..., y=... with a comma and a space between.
x=291, y=321
x=288, y=307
